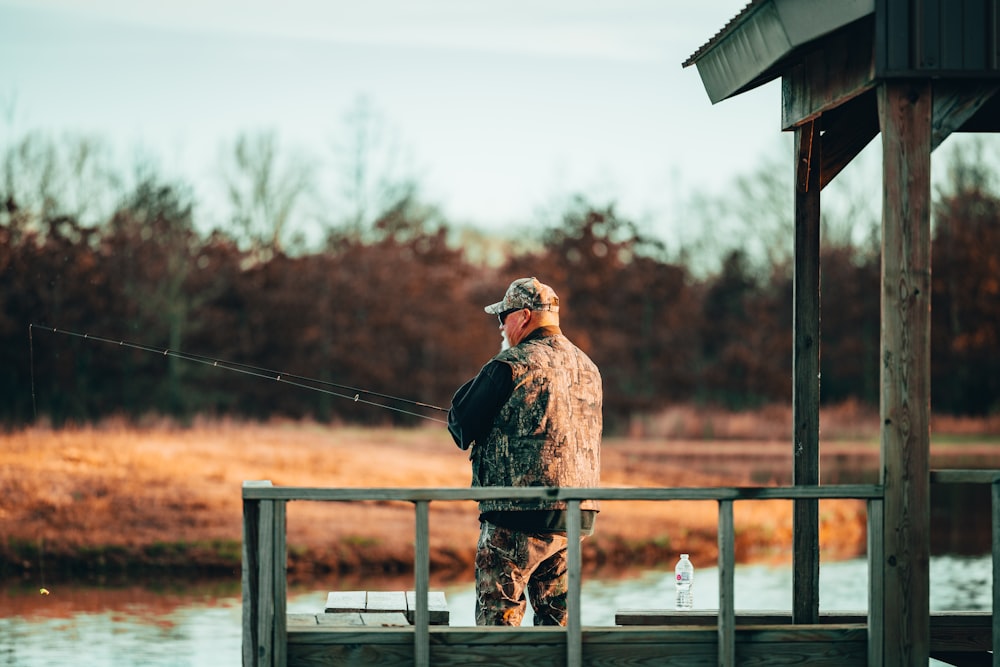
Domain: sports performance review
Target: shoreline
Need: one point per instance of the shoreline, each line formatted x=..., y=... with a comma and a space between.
x=119, y=500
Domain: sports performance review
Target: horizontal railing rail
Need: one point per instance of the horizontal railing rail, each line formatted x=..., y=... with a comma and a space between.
x=849, y=491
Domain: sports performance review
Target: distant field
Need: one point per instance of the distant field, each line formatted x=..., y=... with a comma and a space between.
x=121, y=498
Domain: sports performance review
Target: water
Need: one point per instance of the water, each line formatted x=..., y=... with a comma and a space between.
x=138, y=627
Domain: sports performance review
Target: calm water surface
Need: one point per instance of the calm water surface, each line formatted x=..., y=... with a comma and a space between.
x=132, y=627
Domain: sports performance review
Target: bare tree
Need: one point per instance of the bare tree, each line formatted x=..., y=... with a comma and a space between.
x=755, y=215
x=44, y=178
x=373, y=173
x=265, y=189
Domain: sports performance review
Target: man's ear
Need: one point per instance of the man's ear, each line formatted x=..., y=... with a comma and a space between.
x=525, y=321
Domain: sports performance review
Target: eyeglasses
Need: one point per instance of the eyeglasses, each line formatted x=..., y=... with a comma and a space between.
x=503, y=316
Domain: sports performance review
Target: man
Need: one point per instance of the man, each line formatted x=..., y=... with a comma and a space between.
x=532, y=417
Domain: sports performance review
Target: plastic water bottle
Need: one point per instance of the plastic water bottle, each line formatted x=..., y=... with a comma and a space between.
x=684, y=577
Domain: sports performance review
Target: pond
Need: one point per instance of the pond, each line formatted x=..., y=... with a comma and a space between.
x=159, y=626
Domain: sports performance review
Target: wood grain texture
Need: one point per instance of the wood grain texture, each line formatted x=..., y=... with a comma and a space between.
x=876, y=582
x=838, y=69
x=346, y=601
x=841, y=645
x=860, y=491
x=805, y=371
x=995, y=495
x=905, y=115
x=727, y=564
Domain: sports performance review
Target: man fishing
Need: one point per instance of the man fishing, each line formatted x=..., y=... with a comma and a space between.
x=532, y=417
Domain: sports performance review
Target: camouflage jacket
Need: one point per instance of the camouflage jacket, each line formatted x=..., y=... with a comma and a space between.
x=548, y=433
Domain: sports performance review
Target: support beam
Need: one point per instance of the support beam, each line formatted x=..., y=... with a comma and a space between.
x=954, y=104
x=846, y=131
x=905, y=117
x=805, y=370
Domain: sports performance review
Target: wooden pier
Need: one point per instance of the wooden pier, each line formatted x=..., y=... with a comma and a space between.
x=723, y=637
x=916, y=72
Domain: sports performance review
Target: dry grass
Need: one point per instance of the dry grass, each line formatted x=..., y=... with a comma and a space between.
x=849, y=421
x=116, y=496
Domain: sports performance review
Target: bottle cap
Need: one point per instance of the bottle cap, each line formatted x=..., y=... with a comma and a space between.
x=684, y=555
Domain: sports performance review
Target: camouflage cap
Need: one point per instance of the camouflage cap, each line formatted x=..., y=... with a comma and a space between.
x=526, y=293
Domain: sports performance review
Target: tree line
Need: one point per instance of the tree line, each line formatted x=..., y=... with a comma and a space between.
x=394, y=307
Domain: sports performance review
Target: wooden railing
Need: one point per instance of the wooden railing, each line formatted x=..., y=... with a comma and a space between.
x=991, y=477
x=264, y=553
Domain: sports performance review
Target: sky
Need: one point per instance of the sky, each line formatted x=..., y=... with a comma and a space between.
x=498, y=108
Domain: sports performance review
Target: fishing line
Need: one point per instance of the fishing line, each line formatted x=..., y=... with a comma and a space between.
x=254, y=371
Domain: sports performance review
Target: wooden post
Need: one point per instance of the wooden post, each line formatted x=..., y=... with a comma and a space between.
x=996, y=571
x=264, y=581
x=805, y=365
x=422, y=619
x=727, y=609
x=250, y=585
x=279, y=586
x=905, y=118
x=876, y=593
x=574, y=636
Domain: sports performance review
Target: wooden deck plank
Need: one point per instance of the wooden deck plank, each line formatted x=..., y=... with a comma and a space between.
x=942, y=620
x=345, y=601
x=389, y=602
x=437, y=607
x=342, y=618
x=950, y=631
x=300, y=620
x=828, y=645
x=386, y=601
x=384, y=619
x=707, y=617
x=487, y=636
x=351, y=619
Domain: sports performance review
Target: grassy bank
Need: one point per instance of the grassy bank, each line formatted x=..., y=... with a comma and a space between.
x=117, y=498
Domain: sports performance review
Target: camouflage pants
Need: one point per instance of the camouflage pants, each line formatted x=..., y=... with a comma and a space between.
x=510, y=563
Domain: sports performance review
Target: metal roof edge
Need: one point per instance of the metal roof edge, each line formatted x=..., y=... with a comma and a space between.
x=743, y=54
x=730, y=25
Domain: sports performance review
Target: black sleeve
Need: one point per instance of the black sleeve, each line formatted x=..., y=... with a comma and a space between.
x=477, y=402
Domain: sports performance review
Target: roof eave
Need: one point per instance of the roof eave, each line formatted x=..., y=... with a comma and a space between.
x=747, y=52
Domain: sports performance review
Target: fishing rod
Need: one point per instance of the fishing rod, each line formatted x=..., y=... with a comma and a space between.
x=247, y=369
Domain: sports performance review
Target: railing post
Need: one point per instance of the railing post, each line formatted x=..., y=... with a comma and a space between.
x=574, y=639
x=251, y=584
x=279, y=586
x=421, y=619
x=264, y=581
x=876, y=582
x=727, y=610
x=996, y=573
